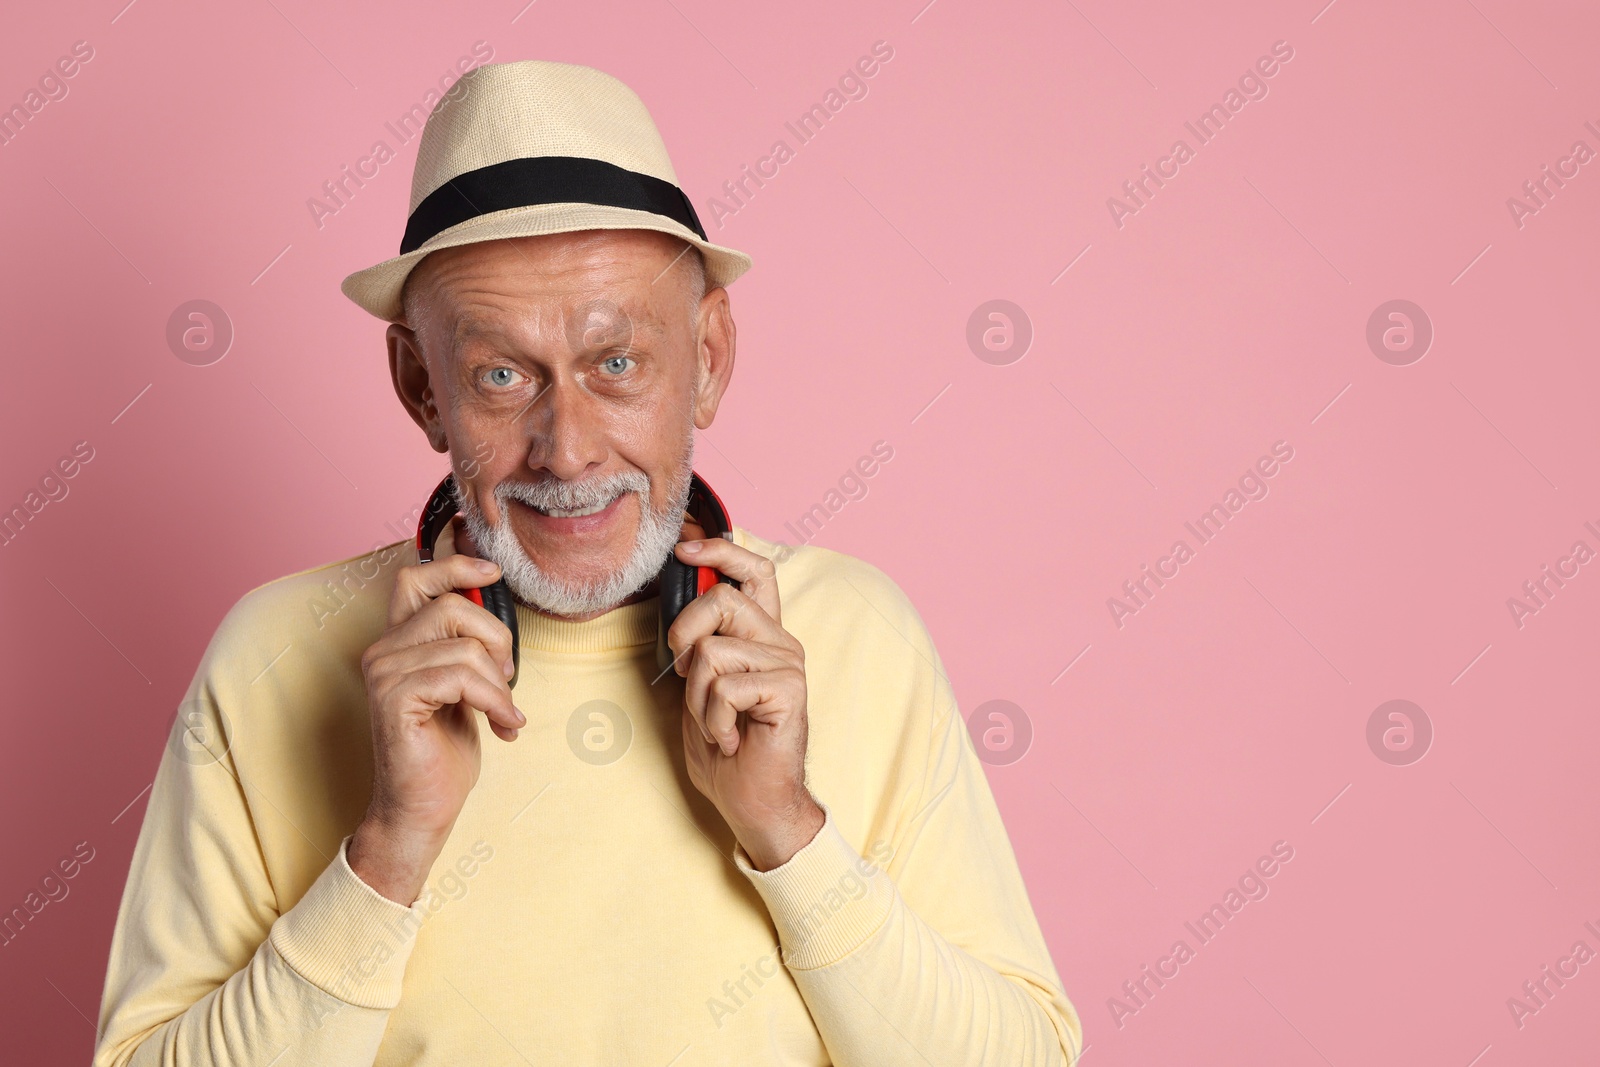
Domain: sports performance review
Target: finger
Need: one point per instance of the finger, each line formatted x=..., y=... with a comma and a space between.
x=698, y=753
x=765, y=696
x=756, y=574
x=723, y=609
x=431, y=688
x=452, y=615
x=416, y=585
x=468, y=713
x=717, y=655
x=467, y=650
x=692, y=734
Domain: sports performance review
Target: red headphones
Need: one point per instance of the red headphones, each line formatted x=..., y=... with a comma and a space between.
x=679, y=582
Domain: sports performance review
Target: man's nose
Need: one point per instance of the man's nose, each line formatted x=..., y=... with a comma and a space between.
x=568, y=431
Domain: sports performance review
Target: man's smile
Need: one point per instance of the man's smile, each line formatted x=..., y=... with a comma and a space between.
x=593, y=521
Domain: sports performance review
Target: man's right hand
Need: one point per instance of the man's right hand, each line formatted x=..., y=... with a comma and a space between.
x=442, y=660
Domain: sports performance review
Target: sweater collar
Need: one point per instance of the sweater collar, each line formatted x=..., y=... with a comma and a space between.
x=620, y=628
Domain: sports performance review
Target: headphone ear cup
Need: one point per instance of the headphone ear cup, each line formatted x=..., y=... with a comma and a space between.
x=502, y=605
x=496, y=598
x=678, y=584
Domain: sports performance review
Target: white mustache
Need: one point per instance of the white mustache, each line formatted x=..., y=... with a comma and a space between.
x=570, y=496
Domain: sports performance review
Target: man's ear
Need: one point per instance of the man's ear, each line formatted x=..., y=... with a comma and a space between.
x=410, y=374
x=714, y=355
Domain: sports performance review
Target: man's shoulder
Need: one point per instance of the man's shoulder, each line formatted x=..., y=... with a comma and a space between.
x=853, y=598
x=336, y=609
x=807, y=569
x=876, y=688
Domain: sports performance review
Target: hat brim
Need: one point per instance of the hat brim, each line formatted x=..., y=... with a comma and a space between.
x=377, y=288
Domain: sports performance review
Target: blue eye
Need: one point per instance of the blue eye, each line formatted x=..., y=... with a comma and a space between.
x=617, y=359
x=501, y=376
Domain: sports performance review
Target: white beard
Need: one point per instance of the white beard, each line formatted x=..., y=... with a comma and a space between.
x=657, y=535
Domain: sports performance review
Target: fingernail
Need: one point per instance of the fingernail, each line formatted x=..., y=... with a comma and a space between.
x=691, y=546
x=508, y=668
x=522, y=720
x=485, y=565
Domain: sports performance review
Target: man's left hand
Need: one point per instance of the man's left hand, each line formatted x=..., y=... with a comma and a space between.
x=744, y=716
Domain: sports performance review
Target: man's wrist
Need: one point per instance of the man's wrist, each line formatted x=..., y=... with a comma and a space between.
x=827, y=899
x=347, y=939
x=772, y=847
x=392, y=862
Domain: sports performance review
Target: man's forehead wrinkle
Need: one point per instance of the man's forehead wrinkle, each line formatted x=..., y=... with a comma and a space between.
x=523, y=302
x=471, y=327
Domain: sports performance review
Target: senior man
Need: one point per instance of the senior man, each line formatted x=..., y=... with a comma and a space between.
x=363, y=846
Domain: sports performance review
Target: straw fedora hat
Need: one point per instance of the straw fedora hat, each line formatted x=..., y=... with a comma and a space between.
x=529, y=148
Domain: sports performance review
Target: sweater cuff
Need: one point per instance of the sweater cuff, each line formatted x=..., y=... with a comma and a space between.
x=825, y=901
x=347, y=939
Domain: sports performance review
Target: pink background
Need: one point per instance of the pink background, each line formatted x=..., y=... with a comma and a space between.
x=1224, y=316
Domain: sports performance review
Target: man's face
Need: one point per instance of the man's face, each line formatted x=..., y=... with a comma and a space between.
x=565, y=375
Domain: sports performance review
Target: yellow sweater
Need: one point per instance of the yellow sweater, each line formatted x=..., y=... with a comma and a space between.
x=590, y=907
